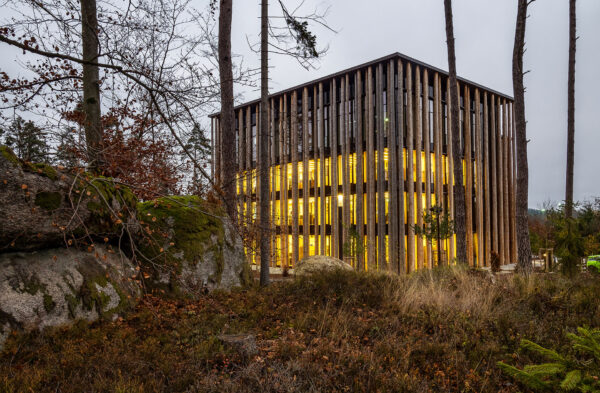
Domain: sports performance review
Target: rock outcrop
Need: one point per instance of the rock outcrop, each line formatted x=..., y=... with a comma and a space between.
x=319, y=263
x=57, y=286
x=59, y=255
x=42, y=206
x=186, y=245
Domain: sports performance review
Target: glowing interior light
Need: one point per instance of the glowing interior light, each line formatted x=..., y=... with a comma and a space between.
x=340, y=199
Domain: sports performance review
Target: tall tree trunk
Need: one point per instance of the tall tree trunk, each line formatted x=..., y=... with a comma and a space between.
x=264, y=235
x=91, y=86
x=523, y=245
x=227, y=120
x=459, y=190
x=571, y=111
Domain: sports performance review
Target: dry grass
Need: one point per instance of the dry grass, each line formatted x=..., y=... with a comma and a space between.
x=441, y=330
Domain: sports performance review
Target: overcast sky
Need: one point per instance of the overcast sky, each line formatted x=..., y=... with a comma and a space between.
x=484, y=32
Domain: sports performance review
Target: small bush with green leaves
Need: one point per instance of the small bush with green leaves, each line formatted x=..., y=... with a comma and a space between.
x=562, y=372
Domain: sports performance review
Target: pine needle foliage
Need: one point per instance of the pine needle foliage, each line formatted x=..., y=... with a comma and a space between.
x=562, y=373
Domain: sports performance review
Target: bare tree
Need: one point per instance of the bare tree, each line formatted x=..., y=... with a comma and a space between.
x=91, y=85
x=227, y=113
x=147, y=61
x=294, y=39
x=571, y=111
x=459, y=191
x=523, y=244
x=265, y=251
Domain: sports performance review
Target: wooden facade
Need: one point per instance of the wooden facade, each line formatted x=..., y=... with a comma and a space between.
x=358, y=157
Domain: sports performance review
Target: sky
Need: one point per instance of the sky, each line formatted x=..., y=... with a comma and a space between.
x=484, y=34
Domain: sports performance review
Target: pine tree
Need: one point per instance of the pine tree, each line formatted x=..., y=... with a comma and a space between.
x=27, y=140
x=199, y=146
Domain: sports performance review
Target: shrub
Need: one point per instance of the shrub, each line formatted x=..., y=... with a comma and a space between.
x=562, y=372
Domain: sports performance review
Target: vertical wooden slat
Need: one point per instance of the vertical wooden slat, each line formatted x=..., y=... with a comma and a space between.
x=217, y=156
x=272, y=188
x=359, y=170
x=410, y=181
x=493, y=170
x=347, y=151
x=468, y=174
x=381, y=249
x=479, y=180
x=393, y=170
x=213, y=155
x=321, y=131
x=418, y=116
x=284, y=143
x=500, y=181
x=317, y=164
x=334, y=170
x=400, y=158
x=450, y=160
x=305, y=183
x=427, y=143
x=505, y=178
x=371, y=251
x=248, y=213
x=248, y=173
x=344, y=179
x=437, y=148
x=294, y=160
x=486, y=180
x=514, y=188
x=220, y=138
x=240, y=159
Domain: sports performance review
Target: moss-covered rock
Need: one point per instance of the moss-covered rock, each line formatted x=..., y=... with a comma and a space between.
x=41, y=206
x=41, y=169
x=185, y=244
x=59, y=286
x=8, y=155
x=48, y=200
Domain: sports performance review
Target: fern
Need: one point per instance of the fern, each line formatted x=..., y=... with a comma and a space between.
x=562, y=373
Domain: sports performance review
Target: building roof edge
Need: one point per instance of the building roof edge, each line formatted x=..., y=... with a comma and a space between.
x=366, y=64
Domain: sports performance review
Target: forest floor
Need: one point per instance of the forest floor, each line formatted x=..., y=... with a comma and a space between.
x=440, y=330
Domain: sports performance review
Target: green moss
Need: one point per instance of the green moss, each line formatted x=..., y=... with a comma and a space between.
x=95, y=207
x=92, y=297
x=8, y=154
x=72, y=304
x=42, y=169
x=188, y=223
x=48, y=200
x=49, y=303
x=246, y=275
x=32, y=285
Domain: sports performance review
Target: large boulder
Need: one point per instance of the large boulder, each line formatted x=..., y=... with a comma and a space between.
x=42, y=206
x=58, y=286
x=187, y=245
x=319, y=263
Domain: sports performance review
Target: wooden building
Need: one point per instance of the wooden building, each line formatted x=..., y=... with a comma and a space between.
x=357, y=157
